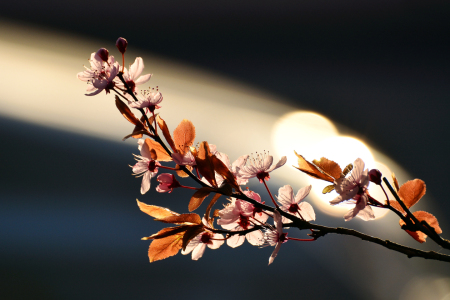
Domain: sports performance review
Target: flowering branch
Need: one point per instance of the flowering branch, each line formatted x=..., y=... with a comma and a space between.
x=246, y=216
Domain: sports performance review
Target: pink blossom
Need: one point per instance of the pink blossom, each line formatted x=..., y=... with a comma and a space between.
x=275, y=237
x=133, y=77
x=241, y=215
x=294, y=206
x=354, y=189
x=260, y=167
x=149, y=99
x=205, y=239
x=232, y=167
x=101, y=75
x=145, y=166
x=167, y=183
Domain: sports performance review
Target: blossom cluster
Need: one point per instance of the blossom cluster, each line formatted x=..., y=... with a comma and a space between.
x=244, y=216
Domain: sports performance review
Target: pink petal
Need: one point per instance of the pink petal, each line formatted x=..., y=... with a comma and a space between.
x=307, y=211
x=198, y=251
x=279, y=164
x=275, y=252
x=217, y=242
x=302, y=193
x=136, y=68
x=285, y=196
x=256, y=238
x=145, y=185
x=143, y=79
x=235, y=240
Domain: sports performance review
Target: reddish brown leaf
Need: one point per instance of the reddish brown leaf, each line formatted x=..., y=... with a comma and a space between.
x=223, y=171
x=161, y=154
x=397, y=206
x=163, y=126
x=165, y=247
x=156, y=212
x=429, y=218
x=180, y=172
x=210, y=205
x=126, y=112
x=185, y=219
x=167, y=232
x=184, y=136
x=329, y=167
x=423, y=216
x=394, y=179
x=191, y=233
x=204, y=163
x=198, y=197
x=411, y=192
x=310, y=169
x=328, y=189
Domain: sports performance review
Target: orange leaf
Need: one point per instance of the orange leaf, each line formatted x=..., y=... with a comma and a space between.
x=423, y=216
x=186, y=219
x=329, y=167
x=394, y=179
x=182, y=173
x=310, y=169
x=210, y=206
x=429, y=218
x=397, y=206
x=167, y=232
x=198, y=197
x=204, y=163
x=191, y=233
x=223, y=171
x=161, y=153
x=156, y=212
x=163, y=126
x=411, y=192
x=165, y=247
x=184, y=136
x=126, y=112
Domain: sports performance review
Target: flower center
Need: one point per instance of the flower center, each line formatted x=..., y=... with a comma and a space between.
x=293, y=208
x=206, y=238
x=283, y=237
x=262, y=176
x=131, y=84
x=244, y=222
x=152, y=166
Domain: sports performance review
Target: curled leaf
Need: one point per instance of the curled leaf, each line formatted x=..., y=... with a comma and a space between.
x=126, y=112
x=204, y=163
x=163, y=126
x=394, y=179
x=156, y=212
x=198, y=197
x=427, y=217
x=347, y=169
x=328, y=189
x=223, y=171
x=167, y=232
x=182, y=173
x=210, y=206
x=311, y=170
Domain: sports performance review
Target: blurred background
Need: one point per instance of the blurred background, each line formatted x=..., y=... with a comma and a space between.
x=344, y=79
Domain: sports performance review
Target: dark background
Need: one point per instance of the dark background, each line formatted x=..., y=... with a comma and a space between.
x=380, y=68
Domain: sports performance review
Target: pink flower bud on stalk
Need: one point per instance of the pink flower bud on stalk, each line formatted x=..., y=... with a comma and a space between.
x=375, y=176
x=103, y=54
x=122, y=44
x=167, y=183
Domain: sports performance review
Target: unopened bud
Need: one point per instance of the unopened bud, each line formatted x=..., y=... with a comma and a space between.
x=122, y=44
x=375, y=176
x=103, y=54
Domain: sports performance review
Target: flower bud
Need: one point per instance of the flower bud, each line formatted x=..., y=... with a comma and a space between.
x=122, y=44
x=167, y=183
x=375, y=176
x=103, y=54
